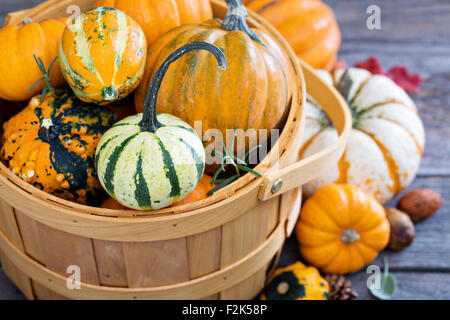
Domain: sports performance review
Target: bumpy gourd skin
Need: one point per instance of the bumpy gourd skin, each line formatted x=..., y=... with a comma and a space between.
x=51, y=144
x=296, y=282
x=102, y=55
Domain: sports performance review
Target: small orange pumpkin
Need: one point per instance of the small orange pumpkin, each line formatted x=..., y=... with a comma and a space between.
x=159, y=16
x=18, y=68
x=341, y=229
x=200, y=192
x=309, y=26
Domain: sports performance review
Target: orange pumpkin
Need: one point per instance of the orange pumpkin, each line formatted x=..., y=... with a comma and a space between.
x=122, y=110
x=18, y=68
x=199, y=193
x=309, y=26
x=341, y=229
x=102, y=55
x=156, y=17
x=253, y=93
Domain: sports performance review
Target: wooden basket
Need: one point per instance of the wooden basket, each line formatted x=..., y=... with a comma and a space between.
x=219, y=248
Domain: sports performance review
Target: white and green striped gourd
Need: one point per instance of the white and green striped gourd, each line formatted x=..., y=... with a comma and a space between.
x=149, y=161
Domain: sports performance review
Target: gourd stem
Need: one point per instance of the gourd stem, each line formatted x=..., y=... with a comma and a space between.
x=27, y=20
x=235, y=20
x=350, y=236
x=149, y=121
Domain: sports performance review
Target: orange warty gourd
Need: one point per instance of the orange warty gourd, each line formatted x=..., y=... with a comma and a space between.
x=254, y=91
x=51, y=145
x=309, y=26
x=200, y=192
x=102, y=55
x=18, y=68
x=156, y=17
x=341, y=229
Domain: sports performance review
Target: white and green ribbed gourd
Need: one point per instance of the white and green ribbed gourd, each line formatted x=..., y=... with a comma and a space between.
x=149, y=161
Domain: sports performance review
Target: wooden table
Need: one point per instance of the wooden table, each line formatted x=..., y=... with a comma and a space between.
x=414, y=33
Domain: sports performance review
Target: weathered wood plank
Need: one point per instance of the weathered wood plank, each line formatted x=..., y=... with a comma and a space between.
x=409, y=285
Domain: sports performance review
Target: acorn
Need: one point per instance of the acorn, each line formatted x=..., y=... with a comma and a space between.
x=420, y=204
x=402, y=229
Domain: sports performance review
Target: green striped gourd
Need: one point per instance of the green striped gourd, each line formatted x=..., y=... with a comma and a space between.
x=149, y=161
x=102, y=55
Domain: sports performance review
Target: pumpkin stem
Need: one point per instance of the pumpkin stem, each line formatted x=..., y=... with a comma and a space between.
x=149, y=121
x=235, y=20
x=283, y=288
x=46, y=76
x=27, y=20
x=349, y=236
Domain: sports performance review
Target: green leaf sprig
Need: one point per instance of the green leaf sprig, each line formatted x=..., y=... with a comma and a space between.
x=240, y=165
x=387, y=284
x=46, y=77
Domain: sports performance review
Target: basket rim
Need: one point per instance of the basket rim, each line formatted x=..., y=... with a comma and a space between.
x=246, y=183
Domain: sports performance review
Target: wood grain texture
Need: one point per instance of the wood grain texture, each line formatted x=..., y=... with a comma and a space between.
x=110, y=263
x=157, y=263
x=8, y=225
x=203, y=252
x=240, y=237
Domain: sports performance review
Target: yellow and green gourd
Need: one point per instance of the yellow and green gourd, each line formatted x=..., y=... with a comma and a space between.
x=149, y=161
x=296, y=282
x=102, y=55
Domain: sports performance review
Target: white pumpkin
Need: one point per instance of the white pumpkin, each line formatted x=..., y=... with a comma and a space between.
x=386, y=143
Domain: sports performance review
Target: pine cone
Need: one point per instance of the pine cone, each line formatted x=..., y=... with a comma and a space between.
x=340, y=288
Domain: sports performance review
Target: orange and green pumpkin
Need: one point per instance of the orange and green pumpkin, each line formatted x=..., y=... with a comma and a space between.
x=156, y=17
x=296, y=282
x=51, y=144
x=253, y=93
x=102, y=55
x=18, y=68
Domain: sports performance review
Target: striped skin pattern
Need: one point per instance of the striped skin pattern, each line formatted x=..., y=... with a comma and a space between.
x=386, y=143
x=156, y=17
x=102, y=55
x=51, y=145
x=146, y=171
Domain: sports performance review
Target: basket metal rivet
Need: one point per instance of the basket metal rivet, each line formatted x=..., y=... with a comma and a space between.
x=277, y=186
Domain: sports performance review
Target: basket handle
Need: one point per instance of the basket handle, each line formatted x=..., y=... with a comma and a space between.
x=276, y=182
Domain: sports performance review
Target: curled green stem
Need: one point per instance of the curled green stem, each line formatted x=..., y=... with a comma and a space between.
x=149, y=121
